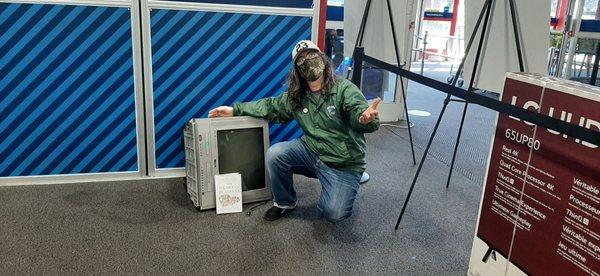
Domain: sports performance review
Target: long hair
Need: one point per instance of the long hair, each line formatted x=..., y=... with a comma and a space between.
x=298, y=86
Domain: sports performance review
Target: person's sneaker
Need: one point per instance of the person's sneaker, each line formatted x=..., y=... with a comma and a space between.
x=276, y=213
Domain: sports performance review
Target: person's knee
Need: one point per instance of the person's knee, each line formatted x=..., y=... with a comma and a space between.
x=275, y=154
x=335, y=215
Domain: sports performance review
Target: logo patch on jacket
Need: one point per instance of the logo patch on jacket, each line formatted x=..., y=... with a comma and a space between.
x=331, y=110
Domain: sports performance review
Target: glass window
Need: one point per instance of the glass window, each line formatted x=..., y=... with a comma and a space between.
x=438, y=5
x=590, y=9
x=377, y=82
x=334, y=46
x=335, y=2
x=553, y=8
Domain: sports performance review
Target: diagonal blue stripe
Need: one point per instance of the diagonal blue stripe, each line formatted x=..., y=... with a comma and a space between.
x=180, y=59
x=80, y=119
x=207, y=64
x=128, y=151
x=70, y=143
x=32, y=14
x=296, y=134
x=226, y=60
x=25, y=133
x=178, y=21
x=78, y=75
x=48, y=72
x=256, y=43
x=247, y=84
x=82, y=159
x=278, y=67
x=116, y=134
x=286, y=130
x=96, y=131
x=173, y=148
x=124, y=163
x=158, y=19
x=177, y=57
x=210, y=62
x=167, y=120
x=66, y=117
x=110, y=79
x=43, y=66
x=205, y=60
x=33, y=37
x=31, y=57
x=183, y=33
x=7, y=11
x=107, y=162
x=275, y=129
x=174, y=152
x=275, y=81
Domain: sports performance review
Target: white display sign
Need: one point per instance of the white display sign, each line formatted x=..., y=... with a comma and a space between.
x=228, y=193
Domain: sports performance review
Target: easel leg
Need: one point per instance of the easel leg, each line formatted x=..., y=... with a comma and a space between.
x=412, y=147
x=412, y=186
x=485, y=10
x=462, y=121
x=473, y=75
x=391, y=16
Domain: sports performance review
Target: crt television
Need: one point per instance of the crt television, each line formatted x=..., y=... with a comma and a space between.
x=226, y=145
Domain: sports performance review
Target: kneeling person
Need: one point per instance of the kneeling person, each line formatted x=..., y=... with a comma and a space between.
x=334, y=116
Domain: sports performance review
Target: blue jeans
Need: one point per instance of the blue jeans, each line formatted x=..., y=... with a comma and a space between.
x=339, y=188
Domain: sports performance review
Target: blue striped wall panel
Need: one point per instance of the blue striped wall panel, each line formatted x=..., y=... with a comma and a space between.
x=202, y=60
x=67, y=101
x=269, y=3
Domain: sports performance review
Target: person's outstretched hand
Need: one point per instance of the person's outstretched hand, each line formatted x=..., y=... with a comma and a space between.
x=371, y=113
x=221, y=111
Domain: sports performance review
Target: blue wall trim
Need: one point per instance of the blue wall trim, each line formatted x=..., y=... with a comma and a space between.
x=590, y=25
x=202, y=60
x=67, y=99
x=268, y=3
x=335, y=13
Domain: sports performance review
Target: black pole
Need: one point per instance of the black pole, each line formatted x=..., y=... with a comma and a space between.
x=363, y=25
x=484, y=9
x=412, y=186
x=595, y=68
x=357, y=58
x=461, y=65
x=412, y=147
x=359, y=51
x=513, y=14
x=480, y=46
x=474, y=72
x=462, y=122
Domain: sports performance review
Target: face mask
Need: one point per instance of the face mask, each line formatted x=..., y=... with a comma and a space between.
x=312, y=69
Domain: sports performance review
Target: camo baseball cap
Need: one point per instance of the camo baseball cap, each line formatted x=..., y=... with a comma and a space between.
x=302, y=46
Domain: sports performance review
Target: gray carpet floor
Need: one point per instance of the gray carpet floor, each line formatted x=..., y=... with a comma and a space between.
x=151, y=226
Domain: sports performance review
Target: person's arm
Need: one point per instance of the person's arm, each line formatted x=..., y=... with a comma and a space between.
x=275, y=109
x=363, y=118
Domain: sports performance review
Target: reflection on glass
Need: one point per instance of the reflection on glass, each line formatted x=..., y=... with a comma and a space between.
x=378, y=83
x=590, y=10
x=583, y=60
x=334, y=46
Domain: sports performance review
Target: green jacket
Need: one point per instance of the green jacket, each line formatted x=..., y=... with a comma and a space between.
x=330, y=125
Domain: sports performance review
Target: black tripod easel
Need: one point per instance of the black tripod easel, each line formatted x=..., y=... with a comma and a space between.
x=484, y=17
x=357, y=60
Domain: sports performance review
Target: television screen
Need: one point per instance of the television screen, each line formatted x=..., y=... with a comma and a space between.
x=242, y=151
